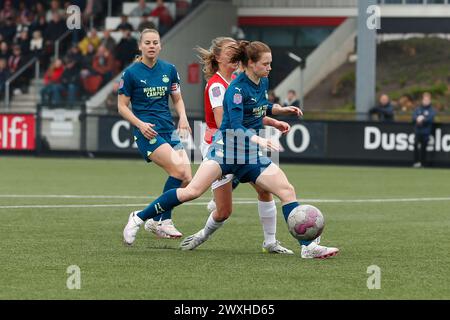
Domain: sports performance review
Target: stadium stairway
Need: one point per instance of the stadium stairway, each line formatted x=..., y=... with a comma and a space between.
x=26, y=102
x=326, y=58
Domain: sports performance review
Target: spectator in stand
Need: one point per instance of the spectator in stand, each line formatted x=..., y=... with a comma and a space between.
x=24, y=22
x=182, y=8
x=24, y=42
x=384, y=111
x=111, y=99
x=107, y=41
x=8, y=30
x=70, y=82
x=87, y=12
x=124, y=24
x=406, y=103
x=25, y=14
x=5, y=74
x=141, y=10
x=39, y=23
x=4, y=51
x=55, y=29
x=272, y=97
x=75, y=55
x=103, y=64
x=86, y=62
x=127, y=49
x=39, y=10
x=145, y=24
x=52, y=78
x=55, y=7
x=291, y=99
x=164, y=17
x=90, y=39
x=15, y=62
x=66, y=5
x=36, y=44
x=423, y=119
x=8, y=11
x=94, y=10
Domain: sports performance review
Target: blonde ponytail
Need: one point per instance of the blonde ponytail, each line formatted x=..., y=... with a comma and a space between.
x=208, y=58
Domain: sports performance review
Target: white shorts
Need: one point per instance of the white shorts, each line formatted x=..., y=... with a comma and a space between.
x=219, y=182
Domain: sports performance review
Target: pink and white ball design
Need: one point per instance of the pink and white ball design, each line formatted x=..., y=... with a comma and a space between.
x=306, y=222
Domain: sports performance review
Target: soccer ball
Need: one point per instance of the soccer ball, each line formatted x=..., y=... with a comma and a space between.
x=305, y=222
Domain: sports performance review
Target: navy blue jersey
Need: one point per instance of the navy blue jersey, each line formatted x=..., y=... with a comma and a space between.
x=245, y=104
x=427, y=125
x=149, y=90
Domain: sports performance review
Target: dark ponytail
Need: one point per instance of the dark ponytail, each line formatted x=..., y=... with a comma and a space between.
x=247, y=50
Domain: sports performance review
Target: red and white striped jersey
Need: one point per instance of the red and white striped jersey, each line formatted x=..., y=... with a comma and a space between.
x=213, y=98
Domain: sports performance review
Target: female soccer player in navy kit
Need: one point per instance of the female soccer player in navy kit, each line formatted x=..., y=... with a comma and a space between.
x=245, y=104
x=219, y=72
x=147, y=84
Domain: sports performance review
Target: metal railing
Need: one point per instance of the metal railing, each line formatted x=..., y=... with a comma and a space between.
x=296, y=3
x=58, y=41
x=335, y=115
x=109, y=8
x=409, y=2
x=329, y=3
x=35, y=60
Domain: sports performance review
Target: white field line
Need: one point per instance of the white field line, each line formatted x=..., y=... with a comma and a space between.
x=138, y=205
x=242, y=201
x=73, y=196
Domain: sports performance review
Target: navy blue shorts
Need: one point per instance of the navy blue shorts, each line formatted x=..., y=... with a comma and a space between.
x=246, y=168
x=147, y=147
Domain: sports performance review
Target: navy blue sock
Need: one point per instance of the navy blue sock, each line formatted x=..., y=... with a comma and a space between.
x=171, y=183
x=235, y=183
x=287, y=208
x=167, y=201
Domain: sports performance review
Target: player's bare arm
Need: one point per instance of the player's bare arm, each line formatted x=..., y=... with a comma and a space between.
x=289, y=110
x=282, y=126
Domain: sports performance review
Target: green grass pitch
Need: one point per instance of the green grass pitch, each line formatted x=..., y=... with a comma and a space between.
x=403, y=229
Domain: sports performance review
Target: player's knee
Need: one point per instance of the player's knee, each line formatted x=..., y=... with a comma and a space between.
x=187, y=177
x=222, y=213
x=191, y=193
x=264, y=196
x=287, y=193
x=182, y=174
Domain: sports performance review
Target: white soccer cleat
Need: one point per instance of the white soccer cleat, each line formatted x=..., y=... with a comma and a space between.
x=193, y=241
x=211, y=206
x=153, y=227
x=276, y=247
x=317, y=240
x=316, y=251
x=132, y=227
x=167, y=230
